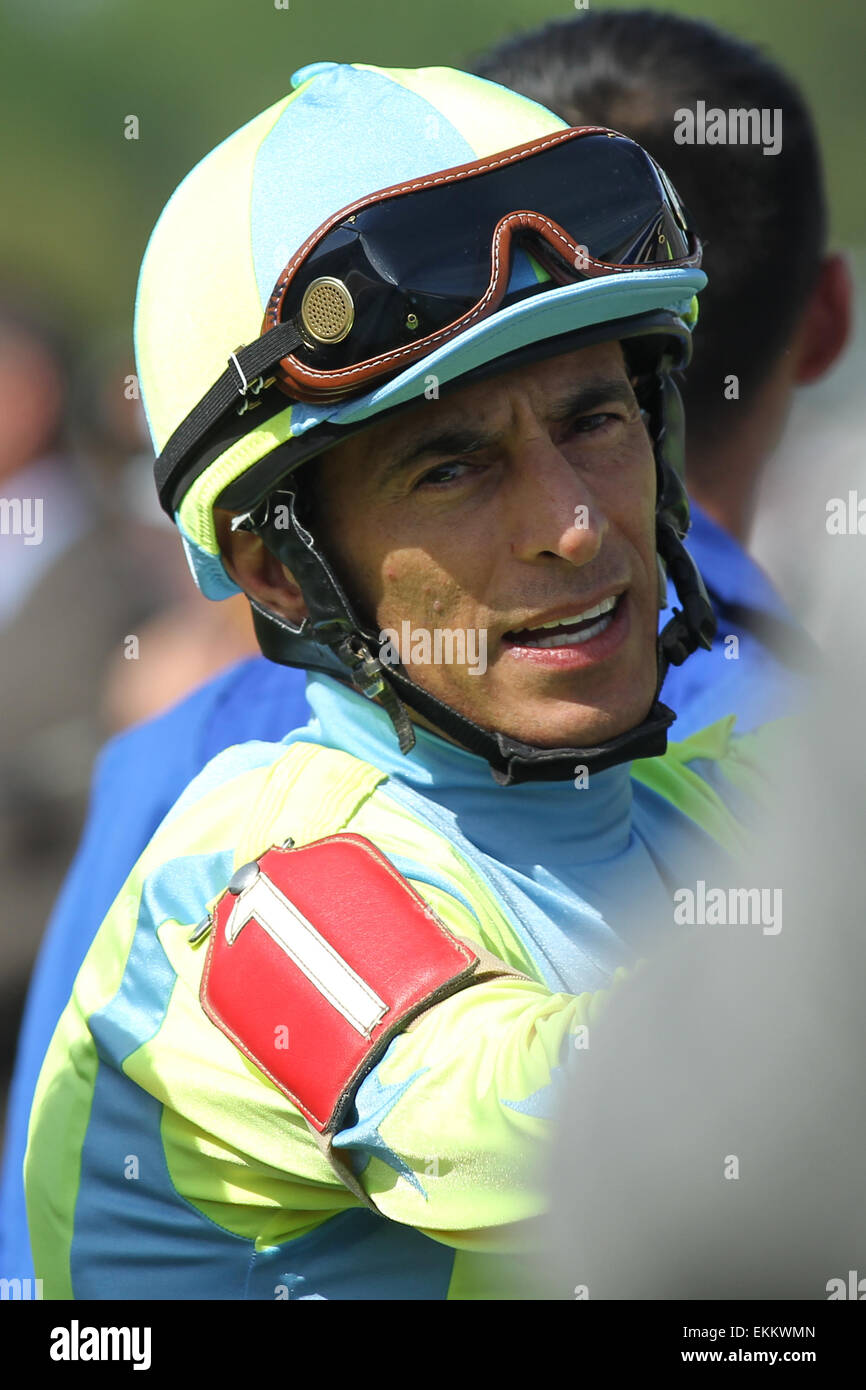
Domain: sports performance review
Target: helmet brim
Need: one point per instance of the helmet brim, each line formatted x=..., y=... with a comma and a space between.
x=543, y=325
x=636, y=305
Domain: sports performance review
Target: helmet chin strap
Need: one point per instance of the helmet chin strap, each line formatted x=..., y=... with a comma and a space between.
x=332, y=639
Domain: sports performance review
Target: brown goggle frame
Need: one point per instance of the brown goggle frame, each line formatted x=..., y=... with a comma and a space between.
x=306, y=383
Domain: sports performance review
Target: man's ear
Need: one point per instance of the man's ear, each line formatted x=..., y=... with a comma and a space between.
x=259, y=573
x=826, y=324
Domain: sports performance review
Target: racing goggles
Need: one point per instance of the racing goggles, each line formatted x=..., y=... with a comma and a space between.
x=394, y=275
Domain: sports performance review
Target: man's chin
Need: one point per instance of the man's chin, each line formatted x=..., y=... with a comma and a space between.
x=557, y=723
x=545, y=731
x=587, y=737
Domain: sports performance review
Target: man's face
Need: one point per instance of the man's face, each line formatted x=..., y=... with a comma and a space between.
x=513, y=504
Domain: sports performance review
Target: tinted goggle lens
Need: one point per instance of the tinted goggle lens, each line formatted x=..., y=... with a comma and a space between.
x=412, y=263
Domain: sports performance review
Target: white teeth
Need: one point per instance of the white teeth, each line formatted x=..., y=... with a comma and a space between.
x=604, y=607
x=573, y=639
x=602, y=611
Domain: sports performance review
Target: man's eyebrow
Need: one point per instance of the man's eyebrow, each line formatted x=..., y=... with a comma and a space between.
x=594, y=393
x=456, y=440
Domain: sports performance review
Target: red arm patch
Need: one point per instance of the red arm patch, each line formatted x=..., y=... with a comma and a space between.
x=317, y=957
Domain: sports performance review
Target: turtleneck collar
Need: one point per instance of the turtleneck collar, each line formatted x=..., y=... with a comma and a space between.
x=531, y=823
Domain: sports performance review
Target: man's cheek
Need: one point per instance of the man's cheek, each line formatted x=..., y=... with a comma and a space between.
x=401, y=595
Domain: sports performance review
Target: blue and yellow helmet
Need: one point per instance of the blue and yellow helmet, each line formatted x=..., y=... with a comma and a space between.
x=343, y=132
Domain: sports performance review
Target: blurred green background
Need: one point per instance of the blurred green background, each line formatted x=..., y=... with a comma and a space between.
x=79, y=200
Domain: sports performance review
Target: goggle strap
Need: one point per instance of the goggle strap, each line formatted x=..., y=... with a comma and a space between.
x=243, y=378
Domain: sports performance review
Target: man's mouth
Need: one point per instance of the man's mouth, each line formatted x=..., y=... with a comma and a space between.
x=570, y=631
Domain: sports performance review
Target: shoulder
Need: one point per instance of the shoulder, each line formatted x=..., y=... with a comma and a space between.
x=309, y=792
x=748, y=759
x=257, y=796
x=250, y=800
x=719, y=777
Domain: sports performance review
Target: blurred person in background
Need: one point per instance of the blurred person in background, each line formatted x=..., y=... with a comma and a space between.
x=710, y=1142
x=623, y=67
x=185, y=643
x=76, y=581
x=38, y=481
x=78, y=667
x=776, y=314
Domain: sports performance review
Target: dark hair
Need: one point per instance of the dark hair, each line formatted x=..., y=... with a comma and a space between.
x=762, y=218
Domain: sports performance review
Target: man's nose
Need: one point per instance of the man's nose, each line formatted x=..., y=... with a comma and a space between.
x=553, y=509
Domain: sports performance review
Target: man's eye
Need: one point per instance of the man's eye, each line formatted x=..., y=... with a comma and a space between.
x=587, y=424
x=443, y=474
